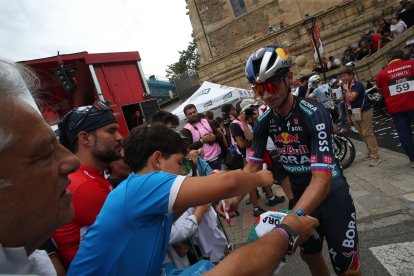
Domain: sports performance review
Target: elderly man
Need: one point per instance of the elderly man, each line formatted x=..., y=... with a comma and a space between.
x=34, y=170
x=91, y=133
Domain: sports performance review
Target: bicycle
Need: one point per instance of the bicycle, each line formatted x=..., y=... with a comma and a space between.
x=344, y=150
x=343, y=147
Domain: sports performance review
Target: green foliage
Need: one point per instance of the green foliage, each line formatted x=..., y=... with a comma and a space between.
x=187, y=64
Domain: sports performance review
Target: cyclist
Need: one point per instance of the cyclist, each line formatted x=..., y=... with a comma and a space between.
x=322, y=93
x=301, y=131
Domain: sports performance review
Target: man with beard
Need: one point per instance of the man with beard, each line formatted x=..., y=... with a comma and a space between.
x=91, y=133
x=204, y=135
x=301, y=130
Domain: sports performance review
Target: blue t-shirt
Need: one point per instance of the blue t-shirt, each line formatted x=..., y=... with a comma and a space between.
x=361, y=99
x=130, y=235
x=321, y=93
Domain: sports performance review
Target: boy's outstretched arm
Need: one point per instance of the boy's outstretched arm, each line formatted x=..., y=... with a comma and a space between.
x=232, y=204
x=197, y=191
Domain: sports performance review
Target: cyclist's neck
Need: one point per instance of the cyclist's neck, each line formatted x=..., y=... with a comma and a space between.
x=286, y=107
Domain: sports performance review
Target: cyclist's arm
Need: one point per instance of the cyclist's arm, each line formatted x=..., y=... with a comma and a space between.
x=315, y=193
x=322, y=158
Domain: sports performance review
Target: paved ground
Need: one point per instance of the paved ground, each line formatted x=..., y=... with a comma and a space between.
x=382, y=191
x=385, y=132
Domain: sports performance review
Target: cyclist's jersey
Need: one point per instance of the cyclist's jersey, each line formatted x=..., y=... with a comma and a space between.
x=303, y=140
x=322, y=93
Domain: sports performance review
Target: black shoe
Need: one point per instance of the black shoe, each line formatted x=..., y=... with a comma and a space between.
x=276, y=200
x=258, y=211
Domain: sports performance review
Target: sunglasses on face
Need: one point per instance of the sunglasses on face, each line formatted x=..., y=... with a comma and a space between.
x=272, y=87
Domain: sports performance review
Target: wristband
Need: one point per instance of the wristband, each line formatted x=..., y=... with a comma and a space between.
x=300, y=212
x=283, y=234
x=201, y=141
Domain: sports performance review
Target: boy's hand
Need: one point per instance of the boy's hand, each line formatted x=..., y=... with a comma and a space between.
x=266, y=177
x=193, y=155
x=232, y=205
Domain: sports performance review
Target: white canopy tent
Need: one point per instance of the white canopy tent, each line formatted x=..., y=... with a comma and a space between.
x=211, y=96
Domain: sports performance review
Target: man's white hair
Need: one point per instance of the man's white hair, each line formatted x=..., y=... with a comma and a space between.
x=15, y=81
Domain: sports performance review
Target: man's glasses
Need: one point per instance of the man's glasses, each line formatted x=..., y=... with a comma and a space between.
x=272, y=86
x=98, y=105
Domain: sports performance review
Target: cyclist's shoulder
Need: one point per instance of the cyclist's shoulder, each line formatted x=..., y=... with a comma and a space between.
x=267, y=114
x=308, y=106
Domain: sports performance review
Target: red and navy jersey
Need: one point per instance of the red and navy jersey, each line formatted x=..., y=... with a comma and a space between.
x=303, y=140
x=396, y=82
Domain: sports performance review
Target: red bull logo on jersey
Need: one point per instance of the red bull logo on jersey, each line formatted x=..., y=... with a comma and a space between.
x=286, y=138
x=290, y=150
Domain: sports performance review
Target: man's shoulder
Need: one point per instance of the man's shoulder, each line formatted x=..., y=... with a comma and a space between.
x=309, y=106
x=357, y=85
x=85, y=178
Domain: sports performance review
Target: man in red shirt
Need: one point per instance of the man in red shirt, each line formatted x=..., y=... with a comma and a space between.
x=92, y=134
x=396, y=83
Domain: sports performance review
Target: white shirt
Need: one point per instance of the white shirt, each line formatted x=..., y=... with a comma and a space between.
x=398, y=28
x=14, y=260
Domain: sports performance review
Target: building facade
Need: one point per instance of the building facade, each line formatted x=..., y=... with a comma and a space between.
x=228, y=31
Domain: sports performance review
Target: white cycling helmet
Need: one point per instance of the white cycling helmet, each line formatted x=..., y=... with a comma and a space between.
x=314, y=79
x=267, y=63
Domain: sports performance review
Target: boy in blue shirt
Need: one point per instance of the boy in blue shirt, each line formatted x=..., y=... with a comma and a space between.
x=131, y=233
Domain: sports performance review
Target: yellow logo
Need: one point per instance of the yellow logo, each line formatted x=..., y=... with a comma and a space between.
x=282, y=53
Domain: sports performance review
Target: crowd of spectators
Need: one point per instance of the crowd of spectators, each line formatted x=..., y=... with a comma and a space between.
x=369, y=42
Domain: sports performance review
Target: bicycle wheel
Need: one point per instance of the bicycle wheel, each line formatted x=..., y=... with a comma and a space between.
x=344, y=150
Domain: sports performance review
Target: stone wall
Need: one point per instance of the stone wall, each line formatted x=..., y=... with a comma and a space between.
x=225, y=41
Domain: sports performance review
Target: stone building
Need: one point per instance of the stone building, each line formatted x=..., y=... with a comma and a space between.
x=228, y=31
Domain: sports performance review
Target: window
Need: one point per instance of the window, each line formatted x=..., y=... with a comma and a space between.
x=238, y=6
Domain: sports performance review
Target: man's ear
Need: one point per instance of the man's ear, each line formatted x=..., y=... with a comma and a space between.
x=85, y=139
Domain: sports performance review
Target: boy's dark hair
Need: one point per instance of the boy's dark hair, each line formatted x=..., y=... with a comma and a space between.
x=187, y=107
x=144, y=140
x=164, y=117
